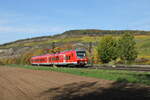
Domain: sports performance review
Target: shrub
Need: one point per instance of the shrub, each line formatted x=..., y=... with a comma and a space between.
x=127, y=50
x=107, y=49
x=1, y=63
x=25, y=58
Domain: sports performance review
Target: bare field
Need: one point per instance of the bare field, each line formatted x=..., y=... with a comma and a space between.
x=26, y=84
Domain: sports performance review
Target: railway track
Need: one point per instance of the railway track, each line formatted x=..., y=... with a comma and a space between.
x=143, y=68
x=133, y=68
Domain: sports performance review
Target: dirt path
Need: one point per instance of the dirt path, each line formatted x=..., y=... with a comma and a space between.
x=26, y=84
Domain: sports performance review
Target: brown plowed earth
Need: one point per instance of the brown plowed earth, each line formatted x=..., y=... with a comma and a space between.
x=26, y=84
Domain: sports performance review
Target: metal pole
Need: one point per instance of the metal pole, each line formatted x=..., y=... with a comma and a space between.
x=53, y=47
x=90, y=51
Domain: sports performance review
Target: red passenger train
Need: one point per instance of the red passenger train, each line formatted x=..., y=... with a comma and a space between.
x=73, y=57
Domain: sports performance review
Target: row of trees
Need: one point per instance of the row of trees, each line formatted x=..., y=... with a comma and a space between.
x=123, y=48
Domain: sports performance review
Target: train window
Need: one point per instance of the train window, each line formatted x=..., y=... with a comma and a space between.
x=67, y=57
x=42, y=59
x=53, y=59
x=57, y=58
x=81, y=54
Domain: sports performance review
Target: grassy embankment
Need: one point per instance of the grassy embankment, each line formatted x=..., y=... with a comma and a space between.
x=143, y=45
x=116, y=75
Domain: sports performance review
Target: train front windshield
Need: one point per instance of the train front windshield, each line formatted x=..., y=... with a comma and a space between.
x=81, y=54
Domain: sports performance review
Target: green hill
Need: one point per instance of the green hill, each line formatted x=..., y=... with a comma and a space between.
x=68, y=40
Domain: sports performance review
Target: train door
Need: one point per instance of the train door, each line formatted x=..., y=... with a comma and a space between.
x=61, y=59
x=64, y=59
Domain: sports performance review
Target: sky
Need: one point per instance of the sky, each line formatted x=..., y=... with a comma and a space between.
x=21, y=19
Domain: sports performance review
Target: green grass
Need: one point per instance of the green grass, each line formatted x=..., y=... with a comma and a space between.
x=143, y=45
x=116, y=75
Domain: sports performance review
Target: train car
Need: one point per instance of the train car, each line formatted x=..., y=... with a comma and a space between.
x=73, y=57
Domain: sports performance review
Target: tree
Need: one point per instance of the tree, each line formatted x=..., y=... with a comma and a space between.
x=107, y=49
x=127, y=50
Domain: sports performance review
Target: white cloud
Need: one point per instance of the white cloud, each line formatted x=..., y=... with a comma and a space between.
x=140, y=25
x=4, y=21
